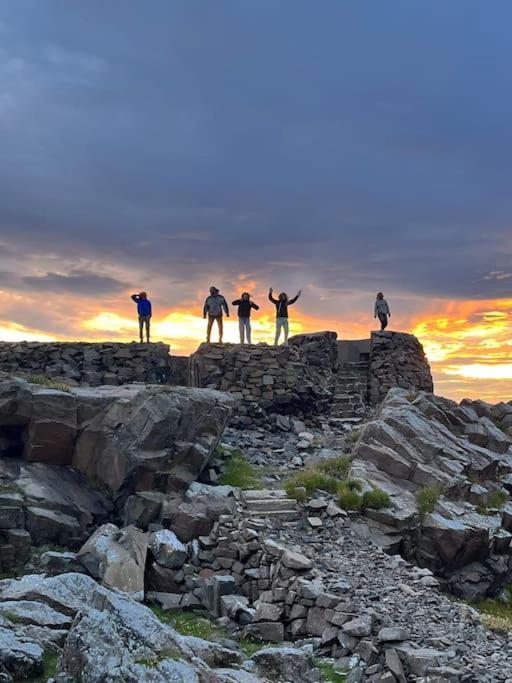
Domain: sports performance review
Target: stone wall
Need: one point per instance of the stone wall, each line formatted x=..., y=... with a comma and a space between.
x=293, y=379
x=397, y=360
x=94, y=363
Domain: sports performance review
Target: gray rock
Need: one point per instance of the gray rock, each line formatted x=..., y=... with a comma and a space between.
x=117, y=558
x=167, y=549
x=359, y=628
x=287, y=664
x=294, y=560
x=19, y=660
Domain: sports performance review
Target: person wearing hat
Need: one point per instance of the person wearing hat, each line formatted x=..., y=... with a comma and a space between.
x=245, y=305
x=382, y=311
x=144, y=312
x=214, y=306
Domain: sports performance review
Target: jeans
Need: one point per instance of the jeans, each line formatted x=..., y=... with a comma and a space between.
x=211, y=320
x=244, y=325
x=144, y=321
x=281, y=323
x=383, y=321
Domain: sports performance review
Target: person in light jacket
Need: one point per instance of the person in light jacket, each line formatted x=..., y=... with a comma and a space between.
x=382, y=311
x=245, y=305
x=281, y=304
x=144, y=311
x=214, y=306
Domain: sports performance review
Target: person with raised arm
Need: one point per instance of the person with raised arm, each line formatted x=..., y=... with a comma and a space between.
x=281, y=304
x=245, y=305
x=382, y=311
x=144, y=311
x=214, y=306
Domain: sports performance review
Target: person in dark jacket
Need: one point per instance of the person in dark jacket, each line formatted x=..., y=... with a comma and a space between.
x=281, y=305
x=214, y=306
x=244, y=316
x=144, y=312
x=382, y=311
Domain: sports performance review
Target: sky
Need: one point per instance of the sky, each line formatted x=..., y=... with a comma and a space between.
x=340, y=148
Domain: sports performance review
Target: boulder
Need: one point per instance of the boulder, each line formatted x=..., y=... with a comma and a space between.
x=117, y=558
x=287, y=664
x=52, y=430
x=160, y=439
x=167, y=549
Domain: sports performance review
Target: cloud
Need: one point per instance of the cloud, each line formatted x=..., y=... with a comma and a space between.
x=75, y=282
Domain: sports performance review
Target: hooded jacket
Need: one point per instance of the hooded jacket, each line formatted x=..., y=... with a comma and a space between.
x=381, y=307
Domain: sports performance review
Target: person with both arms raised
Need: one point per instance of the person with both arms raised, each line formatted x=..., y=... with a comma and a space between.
x=214, y=306
x=244, y=316
x=281, y=305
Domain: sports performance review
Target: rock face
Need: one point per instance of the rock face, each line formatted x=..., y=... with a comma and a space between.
x=397, y=360
x=65, y=454
x=94, y=364
x=449, y=494
x=160, y=439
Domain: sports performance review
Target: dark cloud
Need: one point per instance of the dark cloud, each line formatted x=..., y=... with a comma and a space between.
x=76, y=282
x=372, y=149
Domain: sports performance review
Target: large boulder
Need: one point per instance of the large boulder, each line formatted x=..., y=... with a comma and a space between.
x=160, y=439
x=117, y=558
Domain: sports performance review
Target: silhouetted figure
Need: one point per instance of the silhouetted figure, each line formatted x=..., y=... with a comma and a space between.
x=145, y=312
x=382, y=311
x=244, y=316
x=214, y=306
x=281, y=305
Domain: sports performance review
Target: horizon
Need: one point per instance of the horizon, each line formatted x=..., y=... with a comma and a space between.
x=333, y=149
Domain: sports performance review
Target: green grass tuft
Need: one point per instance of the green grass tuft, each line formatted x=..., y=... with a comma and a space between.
x=375, y=499
x=189, y=623
x=336, y=467
x=497, y=499
x=427, y=498
x=351, y=498
x=329, y=673
x=240, y=473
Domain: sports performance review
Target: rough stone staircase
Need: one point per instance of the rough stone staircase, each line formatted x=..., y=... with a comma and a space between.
x=269, y=505
x=351, y=391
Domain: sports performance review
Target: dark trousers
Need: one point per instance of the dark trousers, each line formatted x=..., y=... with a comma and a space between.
x=383, y=321
x=211, y=320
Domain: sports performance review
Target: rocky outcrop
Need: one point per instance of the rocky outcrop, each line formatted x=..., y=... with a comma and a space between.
x=158, y=440
x=397, y=360
x=94, y=363
x=65, y=455
x=447, y=471
x=118, y=640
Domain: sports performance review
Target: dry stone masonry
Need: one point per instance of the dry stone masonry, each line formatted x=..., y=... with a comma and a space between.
x=94, y=363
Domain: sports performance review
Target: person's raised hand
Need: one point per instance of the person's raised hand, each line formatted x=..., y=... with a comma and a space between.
x=270, y=290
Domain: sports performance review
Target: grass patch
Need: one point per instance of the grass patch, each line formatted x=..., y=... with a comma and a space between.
x=50, y=667
x=495, y=614
x=497, y=499
x=336, y=467
x=12, y=617
x=304, y=484
x=47, y=382
x=189, y=623
x=329, y=673
x=250, y=646
x=427, y=498
x=324, y=476
x=353, y=436
x=240, y=473
x=351, y=498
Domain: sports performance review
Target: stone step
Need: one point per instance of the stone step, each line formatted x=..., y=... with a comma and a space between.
x=270, y=505
x=277, y=515
x=265, y=494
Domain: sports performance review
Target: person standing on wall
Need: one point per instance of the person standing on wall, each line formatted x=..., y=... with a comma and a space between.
x=144, y=312
x=244, y=316
x=382, y=311
x=281, y=304
x=214, y=306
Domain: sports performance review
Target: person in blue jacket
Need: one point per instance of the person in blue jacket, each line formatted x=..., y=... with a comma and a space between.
x=144, y=311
